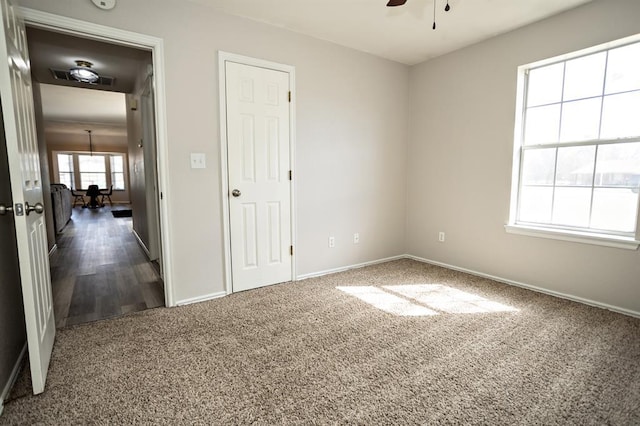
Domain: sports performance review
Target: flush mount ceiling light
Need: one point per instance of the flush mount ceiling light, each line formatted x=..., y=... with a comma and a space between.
x=104, y=4
x=83, y=72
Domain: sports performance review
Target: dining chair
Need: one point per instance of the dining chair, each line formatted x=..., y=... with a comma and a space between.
x=93, y=193
x=77, y=196
x=107, y=195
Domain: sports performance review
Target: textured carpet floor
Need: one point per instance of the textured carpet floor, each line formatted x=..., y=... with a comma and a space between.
x=310, y=353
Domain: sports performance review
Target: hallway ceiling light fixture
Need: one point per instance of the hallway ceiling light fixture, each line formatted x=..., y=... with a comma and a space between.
x=83, y=72
x=104, y=4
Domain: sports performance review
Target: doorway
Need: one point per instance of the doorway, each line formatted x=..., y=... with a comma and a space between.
x=257, y=128
x=104, y=263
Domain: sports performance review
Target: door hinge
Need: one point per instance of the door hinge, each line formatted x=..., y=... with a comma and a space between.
x=291, y=250
x=289, y=95
x=290, y=174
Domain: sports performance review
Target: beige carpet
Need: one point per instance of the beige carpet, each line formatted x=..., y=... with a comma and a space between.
x=472, y=352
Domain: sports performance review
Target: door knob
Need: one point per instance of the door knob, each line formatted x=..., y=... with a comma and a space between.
x=236, y=193
x=38, y=208
x=4, y=209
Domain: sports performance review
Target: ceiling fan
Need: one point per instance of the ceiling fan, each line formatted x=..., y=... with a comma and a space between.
x=393, y=3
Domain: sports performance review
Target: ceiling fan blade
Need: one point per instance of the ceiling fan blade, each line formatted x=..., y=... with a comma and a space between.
x=396, y=3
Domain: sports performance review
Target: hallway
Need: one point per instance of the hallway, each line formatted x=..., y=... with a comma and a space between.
x=100, y=271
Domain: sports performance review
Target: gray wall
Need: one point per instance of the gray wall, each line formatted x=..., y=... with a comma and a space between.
x=142, y=164
x=364, y=142
x=137, y=170
x=351, y=136
x=460, y=157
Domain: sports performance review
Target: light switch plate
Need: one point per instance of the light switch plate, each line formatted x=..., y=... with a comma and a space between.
x=198, y=161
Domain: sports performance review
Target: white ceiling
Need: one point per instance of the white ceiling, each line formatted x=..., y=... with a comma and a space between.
x=65, y=104
x=402, y=33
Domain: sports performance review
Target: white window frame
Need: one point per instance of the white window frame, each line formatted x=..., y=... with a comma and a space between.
x=76, y=169
x=609, y=239
x=56, y=167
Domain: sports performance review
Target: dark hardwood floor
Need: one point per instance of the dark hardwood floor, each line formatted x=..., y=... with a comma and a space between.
x=99, y=270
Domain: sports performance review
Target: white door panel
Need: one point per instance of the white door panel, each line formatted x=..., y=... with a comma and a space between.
x=258, y=145
x=24, y=170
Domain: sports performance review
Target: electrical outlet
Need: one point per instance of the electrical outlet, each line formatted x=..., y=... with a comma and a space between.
x=441, y=237
x=356, y=238
x=332, y=242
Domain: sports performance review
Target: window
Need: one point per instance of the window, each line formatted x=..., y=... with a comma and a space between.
x=65, y=170
x=577, y=167
x=117, y=171
x=79, y=170
x=92, y=170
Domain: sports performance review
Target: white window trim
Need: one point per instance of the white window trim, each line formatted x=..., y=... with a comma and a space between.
x=512, y=227
x=606, y=240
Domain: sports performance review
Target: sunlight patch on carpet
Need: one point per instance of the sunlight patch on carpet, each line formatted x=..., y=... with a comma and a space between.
x=447, y=299
x=424, y=300
x=387, y=302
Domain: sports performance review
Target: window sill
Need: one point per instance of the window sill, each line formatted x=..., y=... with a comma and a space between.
x=627, y=243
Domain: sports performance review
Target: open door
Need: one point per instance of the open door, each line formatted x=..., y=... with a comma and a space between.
x=24, y=170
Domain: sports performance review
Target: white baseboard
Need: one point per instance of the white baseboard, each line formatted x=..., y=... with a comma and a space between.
x=346, y=268
x=529, y=287
x=142, y=244
x=53, y=250
x=12, y=378
x=203, y=298
x=444, y=265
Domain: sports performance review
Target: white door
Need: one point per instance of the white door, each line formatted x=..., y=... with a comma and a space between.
x=147, y=115
x=26, y=187
x=258, y=145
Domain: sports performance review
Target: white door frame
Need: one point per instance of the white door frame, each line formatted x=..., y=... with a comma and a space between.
x=49, y=21
x=224, y=163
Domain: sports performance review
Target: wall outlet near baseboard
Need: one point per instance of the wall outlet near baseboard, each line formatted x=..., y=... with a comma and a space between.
x=332, y=242
x=441, y=237
x=356, y=238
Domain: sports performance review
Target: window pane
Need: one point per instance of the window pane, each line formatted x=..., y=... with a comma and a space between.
x=618, y=165
x=584, y=76
x=117, y=171
x=545, y=85
x=580, y=120
x=614, y=209
x=542, y=125
x=535, y=204
x=538, y=166
x=621, y=116
x=575, y=166
x=117, y=179
x=623, y=69
x=91, y=163
x=117, y=164
x=66, y=178
x=571, y=206
x=65, y=162
x=87, y=179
